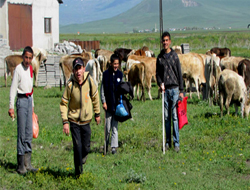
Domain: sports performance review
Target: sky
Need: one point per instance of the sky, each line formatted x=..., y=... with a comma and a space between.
x=81, y=11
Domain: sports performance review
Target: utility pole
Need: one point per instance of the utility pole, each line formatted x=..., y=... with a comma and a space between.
x=161, y=22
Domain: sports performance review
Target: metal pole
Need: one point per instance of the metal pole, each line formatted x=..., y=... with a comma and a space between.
x=163, y=123
x=105, y=142
x=161, y=21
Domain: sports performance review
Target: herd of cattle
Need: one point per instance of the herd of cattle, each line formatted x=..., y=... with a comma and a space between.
x=223, y=78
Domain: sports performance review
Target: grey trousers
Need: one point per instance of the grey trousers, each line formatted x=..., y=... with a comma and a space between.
x=111, y=124
x=24, y=125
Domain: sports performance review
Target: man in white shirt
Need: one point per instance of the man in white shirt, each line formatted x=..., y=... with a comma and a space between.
x=22, y=86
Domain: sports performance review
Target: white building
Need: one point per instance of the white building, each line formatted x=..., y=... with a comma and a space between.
x=29, y=22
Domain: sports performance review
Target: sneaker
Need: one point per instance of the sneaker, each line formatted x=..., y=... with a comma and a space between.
x=176, y=149
x=114, y=150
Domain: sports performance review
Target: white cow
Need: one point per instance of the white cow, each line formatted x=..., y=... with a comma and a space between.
x=233, y=89
x=93, y=67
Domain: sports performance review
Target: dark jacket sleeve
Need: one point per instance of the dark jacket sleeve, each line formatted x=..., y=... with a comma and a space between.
x=159, y=72
x=180, y=75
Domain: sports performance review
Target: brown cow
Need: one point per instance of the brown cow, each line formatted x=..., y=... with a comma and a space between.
x=103, y=61
x=193, y=70
x=150, y=69
x=103, y=57
x=145, y=48
x=122, y=53
x=136, y=77
x=66, y=64
x=139, y=52
x=221, y=51
x=212, y=73
x=177, y=49
x=230, y=63
x=13, y=60
x=233, y=89
x=244, y=71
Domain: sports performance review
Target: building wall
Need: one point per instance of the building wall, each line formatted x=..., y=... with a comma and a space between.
x=45, y=9
x=3, y=19
x=40, y=9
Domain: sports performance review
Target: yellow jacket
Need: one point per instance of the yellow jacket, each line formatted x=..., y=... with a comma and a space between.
x=76, y=102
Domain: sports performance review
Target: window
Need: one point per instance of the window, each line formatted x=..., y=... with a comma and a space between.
x=47, y=25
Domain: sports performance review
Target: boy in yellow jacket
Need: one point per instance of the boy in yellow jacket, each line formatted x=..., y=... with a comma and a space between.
x=80, y=95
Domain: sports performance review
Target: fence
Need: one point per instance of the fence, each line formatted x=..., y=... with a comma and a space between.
x=87, y=45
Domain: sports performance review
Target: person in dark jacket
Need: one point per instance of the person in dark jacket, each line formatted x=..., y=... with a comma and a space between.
x=112, y=78
x=169, y=79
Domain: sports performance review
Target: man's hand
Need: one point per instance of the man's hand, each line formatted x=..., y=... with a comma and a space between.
x=98, y=120
x=104, y=105
x=162, y=87
x=11, y=113
x=181, y=95
x=66, y=129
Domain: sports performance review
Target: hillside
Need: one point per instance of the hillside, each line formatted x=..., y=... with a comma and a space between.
x=176, y=14
x=81, y=11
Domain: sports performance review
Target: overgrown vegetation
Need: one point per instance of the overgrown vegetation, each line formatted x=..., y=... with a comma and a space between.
x=199, y=41
x=214, y=151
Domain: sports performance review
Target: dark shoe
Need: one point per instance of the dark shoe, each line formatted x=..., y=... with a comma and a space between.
x=27, y=163
x=78, y=171
x=84, y=159
x=21, y=168
x=176, y=149
x=114, y=151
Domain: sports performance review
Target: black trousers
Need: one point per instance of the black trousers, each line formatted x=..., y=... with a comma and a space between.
x=81, y=135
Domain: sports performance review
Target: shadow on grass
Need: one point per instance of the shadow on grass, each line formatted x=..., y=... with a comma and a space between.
x=57, y=173
x=9, y=166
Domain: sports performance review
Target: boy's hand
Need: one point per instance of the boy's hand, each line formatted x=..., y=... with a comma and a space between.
x=98, y=120
x=104, y=105
x=66, y=129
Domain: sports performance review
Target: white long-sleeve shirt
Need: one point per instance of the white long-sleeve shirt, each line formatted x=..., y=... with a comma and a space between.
x=22, y=83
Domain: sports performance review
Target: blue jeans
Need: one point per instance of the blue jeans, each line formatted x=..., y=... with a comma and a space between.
x=170, y=101
x=24, y=125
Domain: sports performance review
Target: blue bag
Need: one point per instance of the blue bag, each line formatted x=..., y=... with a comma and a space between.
x=120, y=109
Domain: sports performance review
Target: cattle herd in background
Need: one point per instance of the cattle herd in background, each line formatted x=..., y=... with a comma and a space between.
x=223, y=78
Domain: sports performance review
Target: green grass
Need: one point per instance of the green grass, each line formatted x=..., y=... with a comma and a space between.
x=214, y=151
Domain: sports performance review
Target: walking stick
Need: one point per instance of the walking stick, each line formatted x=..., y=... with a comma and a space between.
x=163, y=120
x=105, y=151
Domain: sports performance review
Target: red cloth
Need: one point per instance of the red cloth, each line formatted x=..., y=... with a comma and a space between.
x=31, y=75
x=182, y=112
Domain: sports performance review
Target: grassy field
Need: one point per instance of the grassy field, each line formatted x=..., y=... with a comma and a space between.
x=214, y=151
x=199, y=41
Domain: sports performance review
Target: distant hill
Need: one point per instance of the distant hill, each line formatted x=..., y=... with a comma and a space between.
x=176, y=13
x=81, y=11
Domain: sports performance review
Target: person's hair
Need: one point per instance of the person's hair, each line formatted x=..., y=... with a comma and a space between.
x=27, y=49
x=114, y=57
x=165, y=34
